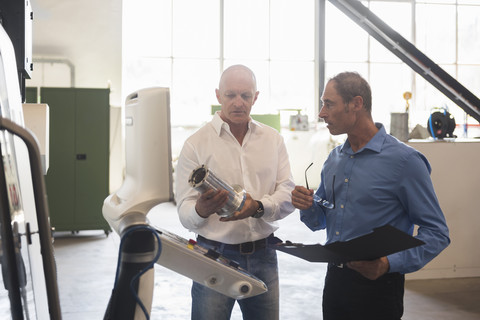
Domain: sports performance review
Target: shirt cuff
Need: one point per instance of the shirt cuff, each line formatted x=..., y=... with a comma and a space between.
x=310, y=218
x=197, y=220
x=395, y=262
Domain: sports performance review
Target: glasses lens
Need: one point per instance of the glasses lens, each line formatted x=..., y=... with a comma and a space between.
x=323, y=202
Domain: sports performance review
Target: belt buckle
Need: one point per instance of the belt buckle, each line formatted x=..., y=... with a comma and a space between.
x=249, y=247
x=337, y=265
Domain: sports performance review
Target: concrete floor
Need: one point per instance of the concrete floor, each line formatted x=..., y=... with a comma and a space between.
x=87, y=261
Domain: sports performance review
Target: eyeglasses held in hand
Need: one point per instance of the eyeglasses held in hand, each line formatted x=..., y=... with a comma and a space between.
x=316, y=198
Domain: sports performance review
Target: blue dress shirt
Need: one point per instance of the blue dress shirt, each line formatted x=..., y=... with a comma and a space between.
x=385, y=182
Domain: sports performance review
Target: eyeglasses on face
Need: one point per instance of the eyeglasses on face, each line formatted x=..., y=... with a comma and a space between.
x=320, y=201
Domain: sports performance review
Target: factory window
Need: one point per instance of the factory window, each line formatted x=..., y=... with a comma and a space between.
x=449, y=33
x=184, y=45
x=349, y=47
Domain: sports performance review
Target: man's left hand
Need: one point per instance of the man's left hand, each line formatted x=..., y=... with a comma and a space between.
x=372, y=269
x=249, y=208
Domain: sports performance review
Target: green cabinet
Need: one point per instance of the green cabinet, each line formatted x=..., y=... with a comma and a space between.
x=78, y=174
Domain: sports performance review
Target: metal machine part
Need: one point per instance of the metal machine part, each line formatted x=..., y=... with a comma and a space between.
x=203, y=179
x=441, y=124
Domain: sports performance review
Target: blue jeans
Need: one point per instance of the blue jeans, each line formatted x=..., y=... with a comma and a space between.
x=208, y=304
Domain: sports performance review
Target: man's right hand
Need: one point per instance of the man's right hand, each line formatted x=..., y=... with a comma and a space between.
x=211, y=202
x=302, y=198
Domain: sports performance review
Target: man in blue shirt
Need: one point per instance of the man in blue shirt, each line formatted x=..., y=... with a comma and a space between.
x=370, y=181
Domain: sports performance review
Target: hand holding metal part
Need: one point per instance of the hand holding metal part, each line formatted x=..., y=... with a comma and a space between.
x=249, y=206
x=211, y=202
x=211, y=187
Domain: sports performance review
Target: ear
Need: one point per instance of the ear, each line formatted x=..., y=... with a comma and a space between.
x=217, y=93
x=357, y=103
x=255, y=98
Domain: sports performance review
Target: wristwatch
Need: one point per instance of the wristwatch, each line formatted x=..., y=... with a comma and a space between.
x=260, y=211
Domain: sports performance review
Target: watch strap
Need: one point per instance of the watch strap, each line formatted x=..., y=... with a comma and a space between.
x=260, y=211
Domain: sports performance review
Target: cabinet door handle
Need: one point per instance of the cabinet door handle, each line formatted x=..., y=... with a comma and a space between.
x=81, y=156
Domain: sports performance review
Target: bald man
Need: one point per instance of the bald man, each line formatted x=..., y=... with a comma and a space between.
x=243, y=152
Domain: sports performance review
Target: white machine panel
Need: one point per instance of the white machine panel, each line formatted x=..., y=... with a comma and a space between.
x=148, y=179
x=207, y=267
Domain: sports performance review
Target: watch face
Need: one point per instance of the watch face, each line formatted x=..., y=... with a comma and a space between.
x=260, y=211
x=260, y=206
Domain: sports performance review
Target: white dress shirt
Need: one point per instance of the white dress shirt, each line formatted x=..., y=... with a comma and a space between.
x=260, y=166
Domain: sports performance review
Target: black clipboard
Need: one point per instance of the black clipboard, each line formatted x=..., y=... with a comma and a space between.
x=381, y=242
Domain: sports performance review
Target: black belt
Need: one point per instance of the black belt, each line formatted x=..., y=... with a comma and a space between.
x=337, y=265
x=244, y=248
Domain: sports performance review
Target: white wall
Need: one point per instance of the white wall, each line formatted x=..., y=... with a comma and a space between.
x=455, y=176
x=86, y=33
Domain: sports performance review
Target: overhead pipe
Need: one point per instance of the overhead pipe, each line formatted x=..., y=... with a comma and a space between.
x=62, y=61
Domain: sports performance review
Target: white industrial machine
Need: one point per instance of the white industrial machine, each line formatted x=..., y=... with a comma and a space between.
x=28, y=273
x=148, y=182
x=148, y=166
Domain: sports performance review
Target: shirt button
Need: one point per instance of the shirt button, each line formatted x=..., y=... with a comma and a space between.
x=351, y=157
x=341, y=206
x=346, y=179
x=337, y=233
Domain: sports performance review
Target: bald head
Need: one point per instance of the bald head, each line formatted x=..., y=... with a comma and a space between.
x=240, y=73
x=237, y=92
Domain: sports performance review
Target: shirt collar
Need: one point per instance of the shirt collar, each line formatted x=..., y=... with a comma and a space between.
x=218, y=123
x=375, y=144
